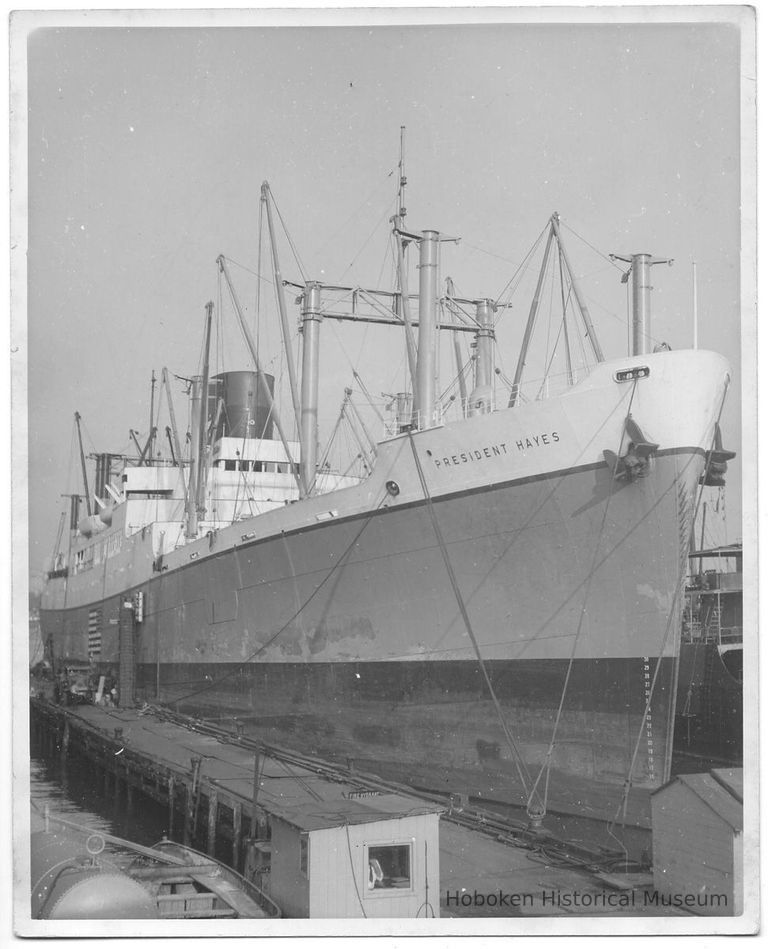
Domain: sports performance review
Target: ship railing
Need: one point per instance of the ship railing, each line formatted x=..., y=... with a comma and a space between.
x=731, y=634
x=453, y=409
x=547, y=387
x=416, y=421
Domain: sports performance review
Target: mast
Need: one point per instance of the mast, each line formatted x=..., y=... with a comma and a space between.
x=202, y=441
x=260, y=377
x=481, y=400
x=403, y=304
x=640, y=268
x=175, y=434
x=403, y=180
x=425, y=357
x=514, y=396
x=311, y=318
x=359, y=418
x=194, y=463
x=566, y=340
x=152, y=429
x=596, y=349
x=353, y=417
x=169, y=436
x=280, y=291
x=82, y=464
x=451, y=290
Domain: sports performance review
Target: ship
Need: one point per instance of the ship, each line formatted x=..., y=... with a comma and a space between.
x=711, y=679
x=488, y=606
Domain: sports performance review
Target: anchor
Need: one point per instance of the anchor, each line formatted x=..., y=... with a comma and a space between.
x=635, y=461
x=717, y=462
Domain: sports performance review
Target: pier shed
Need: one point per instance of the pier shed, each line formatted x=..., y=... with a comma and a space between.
x=698, y=826
x=356, y=854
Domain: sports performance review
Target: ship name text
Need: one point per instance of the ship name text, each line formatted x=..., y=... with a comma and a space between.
x=495, y=451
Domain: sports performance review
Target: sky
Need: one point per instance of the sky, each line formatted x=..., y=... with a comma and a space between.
x=147, y=148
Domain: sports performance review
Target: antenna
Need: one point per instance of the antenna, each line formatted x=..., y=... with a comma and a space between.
x=403, y=180
x=695, y=310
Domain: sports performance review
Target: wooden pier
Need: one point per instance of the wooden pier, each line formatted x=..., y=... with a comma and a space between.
x=223, y=796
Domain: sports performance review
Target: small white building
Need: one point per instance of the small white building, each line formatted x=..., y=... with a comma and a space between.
x=357, y=854
x=698, y=826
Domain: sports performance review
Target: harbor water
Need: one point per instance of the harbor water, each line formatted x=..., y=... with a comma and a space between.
x=71, y=792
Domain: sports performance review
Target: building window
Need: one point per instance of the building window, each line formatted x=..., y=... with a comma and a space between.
x=229, y=466
x=304, y=854
x=389, y=867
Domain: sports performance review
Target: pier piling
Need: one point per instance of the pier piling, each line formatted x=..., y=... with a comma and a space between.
x=213, y=809
x=237, y=834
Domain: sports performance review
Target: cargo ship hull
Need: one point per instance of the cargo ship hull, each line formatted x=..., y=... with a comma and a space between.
x=361, y=633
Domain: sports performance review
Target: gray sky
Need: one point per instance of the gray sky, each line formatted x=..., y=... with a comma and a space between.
x=147, y=148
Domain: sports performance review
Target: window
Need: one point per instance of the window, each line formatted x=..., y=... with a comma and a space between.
x=304, y=854
x=389, y=867
x=229, y=466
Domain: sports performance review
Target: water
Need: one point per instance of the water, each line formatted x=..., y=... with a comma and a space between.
x=69, y=790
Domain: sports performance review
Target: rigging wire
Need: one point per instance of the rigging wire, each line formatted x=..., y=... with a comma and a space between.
x=592, y=247
x=519, y=272
x=366, y=242
x=547, y=763
x=342, y=227
x=253, y=273
x=294, y=250
x=522, y=769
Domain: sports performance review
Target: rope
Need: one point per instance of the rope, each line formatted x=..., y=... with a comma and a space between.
x=519, y=762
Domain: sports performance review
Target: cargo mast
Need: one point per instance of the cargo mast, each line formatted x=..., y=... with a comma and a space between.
x=640, y=269
x=82, y=463
x=311, y=318
x=202, y=441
